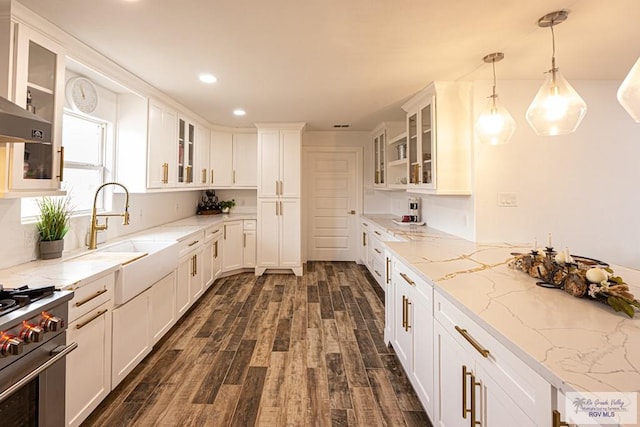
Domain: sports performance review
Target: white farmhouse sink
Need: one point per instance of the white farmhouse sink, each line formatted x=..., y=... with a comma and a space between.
x=156, y=260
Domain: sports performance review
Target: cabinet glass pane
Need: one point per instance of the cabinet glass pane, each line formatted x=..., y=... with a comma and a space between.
x=38, y=161
x=376, y=159
x=192, y=130
x=42, y=66
x=381, y=147
x=414, y=163
x=427, y=137
x=181, y=129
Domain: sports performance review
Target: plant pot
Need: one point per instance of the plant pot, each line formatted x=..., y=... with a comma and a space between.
x=226, y=210
x=51, y=249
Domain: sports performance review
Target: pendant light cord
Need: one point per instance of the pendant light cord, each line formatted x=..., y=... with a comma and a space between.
x=553, y=52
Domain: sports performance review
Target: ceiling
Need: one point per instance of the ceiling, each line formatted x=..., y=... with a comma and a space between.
x=341, y=62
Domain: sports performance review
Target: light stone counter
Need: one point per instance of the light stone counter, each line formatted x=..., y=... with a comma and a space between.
x=85, y=265
x=576, y=344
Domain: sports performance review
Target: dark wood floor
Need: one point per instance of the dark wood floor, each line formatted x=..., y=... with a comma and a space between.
x=271, y=351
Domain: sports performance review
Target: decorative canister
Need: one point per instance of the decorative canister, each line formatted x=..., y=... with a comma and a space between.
x=402, y=151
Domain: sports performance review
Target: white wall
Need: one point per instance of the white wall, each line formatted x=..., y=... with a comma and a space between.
x=581, y=187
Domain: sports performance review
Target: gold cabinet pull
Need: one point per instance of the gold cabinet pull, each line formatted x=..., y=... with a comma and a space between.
x=388, y=270
x=364, y=239
x=83, y=324
x=193, y=243
x=365, y=224
x=465, y=373
x=407, y=279
x=165, y=173
x=244, y=240
x=404, y=313
x=234, y=176
x=281, y=188
x=483, y=351
x=215, y=246
x=377, y=272
x=61, y=175
x=407, y=326
x=277, y=188
x=204, y=176
x=377, y=250
x=225, y=232
x=92, y=297
x=557, y=420
x=195, y=265
x=189, y=174
x=212, y=176
x=377, y=232
x=474, y=384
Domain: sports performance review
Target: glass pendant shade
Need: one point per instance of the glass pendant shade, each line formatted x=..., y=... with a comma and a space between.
x=629, y=92
x=495, y=125
x=557, y=108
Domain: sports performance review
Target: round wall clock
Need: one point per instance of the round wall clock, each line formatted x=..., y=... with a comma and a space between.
x=82, y=94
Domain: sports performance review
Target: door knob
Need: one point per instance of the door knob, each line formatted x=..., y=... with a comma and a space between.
x=351, y=212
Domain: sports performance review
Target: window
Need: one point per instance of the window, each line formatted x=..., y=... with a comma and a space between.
x=84, y=140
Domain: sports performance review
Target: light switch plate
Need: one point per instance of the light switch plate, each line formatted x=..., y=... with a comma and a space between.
x=507, y=200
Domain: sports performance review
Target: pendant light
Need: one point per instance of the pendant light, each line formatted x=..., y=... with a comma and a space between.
x=495, y=125
x=629, y=92
x=557, y=108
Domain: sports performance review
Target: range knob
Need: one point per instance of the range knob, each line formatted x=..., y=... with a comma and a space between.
x=31, y=333
x=50, y=323
x=10, y=345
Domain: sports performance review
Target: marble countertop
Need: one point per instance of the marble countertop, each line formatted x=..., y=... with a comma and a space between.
x=575, y=344
x=85, y=265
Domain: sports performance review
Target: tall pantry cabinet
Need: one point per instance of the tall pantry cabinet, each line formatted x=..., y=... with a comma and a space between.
x=279, y=225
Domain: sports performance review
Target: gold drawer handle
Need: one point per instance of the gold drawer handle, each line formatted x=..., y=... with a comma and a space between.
x=406, y=278
x=557, y=421
x=193, y=243
x=378, y=273
x=83, y=324
x=388, y=268
x=94, y=296
x=377, y=233
x=377, y=250
x=483, y=351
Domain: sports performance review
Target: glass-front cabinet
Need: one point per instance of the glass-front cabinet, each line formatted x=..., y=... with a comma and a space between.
x=186, y=148
x=379, y=159
x=39, y=87
x=439, y=139
x=389, y=158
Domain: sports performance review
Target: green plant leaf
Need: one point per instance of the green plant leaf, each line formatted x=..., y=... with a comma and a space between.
x=619, y=304
x=53, y=222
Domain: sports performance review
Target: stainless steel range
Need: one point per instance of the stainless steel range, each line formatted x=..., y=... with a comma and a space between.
x=32, y=351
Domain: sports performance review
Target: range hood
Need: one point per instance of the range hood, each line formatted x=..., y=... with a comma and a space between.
x=20, y=125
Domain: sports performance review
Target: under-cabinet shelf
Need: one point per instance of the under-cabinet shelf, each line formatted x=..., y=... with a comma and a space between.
x=40, y=88
x=401, y=162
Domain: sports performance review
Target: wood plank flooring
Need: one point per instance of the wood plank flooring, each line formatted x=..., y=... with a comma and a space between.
x=276, y=350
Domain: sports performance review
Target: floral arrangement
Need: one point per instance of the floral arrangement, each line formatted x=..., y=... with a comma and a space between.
x=579, y=276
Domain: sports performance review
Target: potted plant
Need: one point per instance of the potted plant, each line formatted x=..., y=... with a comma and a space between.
x=53, y=225
x=226, y=205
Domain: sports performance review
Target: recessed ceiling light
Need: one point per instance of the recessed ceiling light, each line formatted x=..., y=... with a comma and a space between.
x=239, y=112
x=207, y=78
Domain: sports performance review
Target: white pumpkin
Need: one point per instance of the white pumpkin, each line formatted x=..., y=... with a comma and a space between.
x=597, y=275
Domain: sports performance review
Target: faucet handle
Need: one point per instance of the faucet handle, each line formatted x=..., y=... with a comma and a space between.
x=125, y=218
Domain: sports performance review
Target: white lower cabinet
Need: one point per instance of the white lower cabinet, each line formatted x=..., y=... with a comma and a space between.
x=131, y=337
x=279, y=235
x=413, y=330
x=232, y=249
x=88, y=370
x=249, y=244
x=189, y=282
x=162, y=306
x=216, y=253
x=479, y=381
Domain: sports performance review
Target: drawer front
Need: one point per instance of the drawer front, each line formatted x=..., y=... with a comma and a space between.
x=376, y=246
x=526, y=388
x=87, y=297
x=377, y=270
x=190, y=243
x=402, y=272
x=380, y=234
x=249, y=224
x=214, y=232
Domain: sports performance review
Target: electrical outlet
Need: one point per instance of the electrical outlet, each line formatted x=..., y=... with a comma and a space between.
x=507, y=200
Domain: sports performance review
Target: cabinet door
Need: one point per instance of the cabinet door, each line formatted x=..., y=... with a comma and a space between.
x=389, y=302
x=88, y=373
x=217, y=258
x=221, y=159
x=186, y=148
x=290, y=245
x=290, y=163
x=249, y=249
x=183, y=300
x=131, y=338
x=269, y=164
x=196, y=285
x=245, y=159
x=364, y=247
x=268, y=233
x=207, y=265
x=232, y=246
x=161, y=157
x=403, y=332
x=203, y=144
x=423, y=366
x=39, y=74
x=452, y=390
x=427, y=143
x=495, y=406
x=162, y=306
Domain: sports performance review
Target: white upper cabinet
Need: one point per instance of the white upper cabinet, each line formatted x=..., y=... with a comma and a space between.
x=38, y=79
x=439, y=139
x=186, y=150
x=279, y=161
x=233, y=159
x=162, y=156
x=389, y=169
x=203, y=146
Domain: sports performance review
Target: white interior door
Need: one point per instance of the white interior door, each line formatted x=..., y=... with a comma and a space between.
x=333, y=200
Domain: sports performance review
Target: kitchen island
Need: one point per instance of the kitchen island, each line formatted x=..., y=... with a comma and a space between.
x=575, y=344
